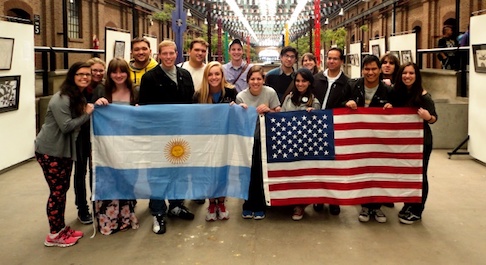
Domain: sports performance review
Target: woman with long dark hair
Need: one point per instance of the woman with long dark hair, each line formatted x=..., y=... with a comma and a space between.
x=410, y=93
x=117, y=215
x=55, y=149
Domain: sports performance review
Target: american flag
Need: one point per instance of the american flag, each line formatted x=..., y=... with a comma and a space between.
x=342, y=156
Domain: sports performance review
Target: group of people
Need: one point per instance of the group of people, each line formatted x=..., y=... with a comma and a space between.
x=64, y=137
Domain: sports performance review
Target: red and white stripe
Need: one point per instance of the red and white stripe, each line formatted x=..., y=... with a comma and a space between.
x=378, y=159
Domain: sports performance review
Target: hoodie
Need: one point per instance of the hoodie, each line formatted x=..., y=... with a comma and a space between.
x=137, y=73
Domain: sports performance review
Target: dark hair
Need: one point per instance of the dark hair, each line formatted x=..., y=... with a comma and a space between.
x=198, y=40
x=408, y=97
x=394, y=60
x=296, y=98
x=254, y=69
x=288, y=49
x=77, y=101
x=110, y=86
x=370, y=59
x=341, y=53
x=137, y=40
x=312, y=57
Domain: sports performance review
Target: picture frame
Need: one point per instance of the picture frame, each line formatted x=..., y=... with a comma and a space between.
x=9, y=93
x=375, y=50
x=479, y=55
x=356, y=60
x=119, y=50
x=396, y=54
x=406, y=56
x=6, y=53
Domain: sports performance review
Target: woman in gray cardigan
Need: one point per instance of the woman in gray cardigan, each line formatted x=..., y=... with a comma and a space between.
x=55, y=149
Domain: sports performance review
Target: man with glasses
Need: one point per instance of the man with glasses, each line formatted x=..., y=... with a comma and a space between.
x=167, y=84
x=282, y=77
x=141, y=61
x=197, y=55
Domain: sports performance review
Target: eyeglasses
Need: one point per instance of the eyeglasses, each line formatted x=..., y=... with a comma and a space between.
x=287, y=56
x=83, y=75
x=96, y=71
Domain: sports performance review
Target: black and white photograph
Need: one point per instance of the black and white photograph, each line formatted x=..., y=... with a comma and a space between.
x=6, y=53
x=406, y=56
x=119, y=50
x=479, y=54
x=396, y=54
x=9, y=93
x=356, y=59
x=375, y=50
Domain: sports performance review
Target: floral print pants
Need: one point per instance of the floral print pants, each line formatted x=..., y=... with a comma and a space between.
x=57, y=172
x=116, y=215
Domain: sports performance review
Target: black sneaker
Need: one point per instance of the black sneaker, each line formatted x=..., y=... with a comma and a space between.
x=181, y=212
x=159, y=224
x=85, y=218
x=334, y=209
x=389, y=204
x=409, y=218
x=404, y=211
x=318, y=207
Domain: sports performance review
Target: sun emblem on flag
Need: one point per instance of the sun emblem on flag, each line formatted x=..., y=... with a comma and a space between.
x=177, y=151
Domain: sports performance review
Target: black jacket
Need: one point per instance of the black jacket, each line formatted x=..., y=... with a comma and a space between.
x=337, y=97
x=157, y=88
x=356, y=89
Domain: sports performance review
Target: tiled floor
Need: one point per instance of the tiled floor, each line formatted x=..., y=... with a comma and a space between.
x=453, y=229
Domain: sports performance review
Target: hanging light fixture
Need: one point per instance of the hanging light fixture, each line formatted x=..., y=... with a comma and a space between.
x=341, y=12
x=189, y=12
x=327, y=21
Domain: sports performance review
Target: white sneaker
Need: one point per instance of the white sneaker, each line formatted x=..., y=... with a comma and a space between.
x=364, y=215
x=380, y=217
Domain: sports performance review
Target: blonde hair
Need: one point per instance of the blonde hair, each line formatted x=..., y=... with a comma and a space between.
x=96, y=60
x=204, y=96
x=166, y=43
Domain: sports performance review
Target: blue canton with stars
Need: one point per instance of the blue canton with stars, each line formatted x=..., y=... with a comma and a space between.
x=299, y=135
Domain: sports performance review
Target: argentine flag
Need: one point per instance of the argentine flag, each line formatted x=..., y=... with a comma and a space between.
x=192, y=151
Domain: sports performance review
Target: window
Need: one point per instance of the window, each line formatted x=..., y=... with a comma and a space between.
x=73, y=8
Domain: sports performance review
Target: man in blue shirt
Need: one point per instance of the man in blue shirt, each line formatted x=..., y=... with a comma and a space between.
x=236, y=70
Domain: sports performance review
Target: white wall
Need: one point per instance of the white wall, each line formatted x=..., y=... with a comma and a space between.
x=477, y=94
x=406, y=42
x=112, y=36
x=17, y=127
x=153, y=45
x=381, y=43
x=355, y=48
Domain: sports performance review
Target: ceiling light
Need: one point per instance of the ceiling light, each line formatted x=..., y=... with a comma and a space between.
x=341, y=12
x=327, y=21
x=189, y=13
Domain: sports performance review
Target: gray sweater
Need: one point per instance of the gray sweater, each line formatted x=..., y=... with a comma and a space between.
x=59, y=131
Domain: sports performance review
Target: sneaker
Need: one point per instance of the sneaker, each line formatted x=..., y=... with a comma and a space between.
x=223, y=214
x=85, y=217
x=409, y=219
x=159, y=224
x=259, y=215
x=334, y=209
x=380, y=217
x=182, y=212
x=200, y=202
x=364, y=215
x=389, y=204
x=318, y=207
x=73, y=233
x=247, y=214
x=298, y=213
x=404, y=211
x=62, y=239
x=211, y=215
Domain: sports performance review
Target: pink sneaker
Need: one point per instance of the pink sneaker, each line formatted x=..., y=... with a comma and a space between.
x=63, y=239
x=223, y=214
x=73, y=233
x=211, y=215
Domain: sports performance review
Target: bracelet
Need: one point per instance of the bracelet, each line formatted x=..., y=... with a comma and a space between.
x=431, y=117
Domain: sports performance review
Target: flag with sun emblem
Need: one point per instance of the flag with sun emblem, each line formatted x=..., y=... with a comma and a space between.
x=193, y=151
x=342, y=156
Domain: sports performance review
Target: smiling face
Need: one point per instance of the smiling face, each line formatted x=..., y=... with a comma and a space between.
x=371, y=74
x=141, y=52
x=236, y=52
x=308, y=63
x=408, y=76
x=82, y=78
x=168, y=55
x=119, y=77
x=334, y=61
x=198, y=53
x=97, y=72
x=288, y=59
x=255, y=83
x=215, y=76
x=301, y=84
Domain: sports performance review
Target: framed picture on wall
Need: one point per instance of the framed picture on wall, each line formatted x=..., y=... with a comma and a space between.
x=396, y=54
x=6, y=53
x=119, y=49
x=479, y=54
x=356, y=59
x=9, y=93
x=406, y=56
x=375, y=50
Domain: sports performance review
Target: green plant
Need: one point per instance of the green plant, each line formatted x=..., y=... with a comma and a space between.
x=364, y=28
x=166, y=13
x=337, y=37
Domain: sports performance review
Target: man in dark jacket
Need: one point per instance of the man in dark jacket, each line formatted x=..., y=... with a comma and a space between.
x=329, y=88
x=369, y=91
x=167, y=84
